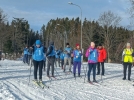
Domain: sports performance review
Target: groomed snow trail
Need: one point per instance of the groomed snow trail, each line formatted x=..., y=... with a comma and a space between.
x=14, y=79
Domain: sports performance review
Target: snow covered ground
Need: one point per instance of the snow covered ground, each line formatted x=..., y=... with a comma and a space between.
x=14, y=78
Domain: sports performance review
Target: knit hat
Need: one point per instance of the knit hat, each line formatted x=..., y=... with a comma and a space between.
x=77, y=45
x=38, y=42
x=128, y=44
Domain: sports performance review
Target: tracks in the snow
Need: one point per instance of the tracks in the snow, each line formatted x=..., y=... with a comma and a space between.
x=14, y=85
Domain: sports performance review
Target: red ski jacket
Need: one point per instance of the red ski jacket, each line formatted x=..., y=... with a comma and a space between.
x=102, y=54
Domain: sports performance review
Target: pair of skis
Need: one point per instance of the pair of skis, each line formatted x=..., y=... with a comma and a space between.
x=50, y=77
x=95, y=83
x=92, y=83
x=68, y=73
x=40, y=84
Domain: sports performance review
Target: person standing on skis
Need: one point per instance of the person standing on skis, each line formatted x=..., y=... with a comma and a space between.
x=25, y=57
x=101, y=59
x=50, y=58
x=77, y=53
x=127, y=57
x=62, y=58
x=57, y=56
x=30, y=51
x=92, y=56
x=38, y=57
x=67, y=57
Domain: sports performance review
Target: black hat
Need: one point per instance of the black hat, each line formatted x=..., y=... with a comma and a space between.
x=67, y=43
x=100, y=44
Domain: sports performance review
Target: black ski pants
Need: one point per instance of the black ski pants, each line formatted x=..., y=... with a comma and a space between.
x=102, y=68
x=38, y=64
x=50, y=62
x=125, y=66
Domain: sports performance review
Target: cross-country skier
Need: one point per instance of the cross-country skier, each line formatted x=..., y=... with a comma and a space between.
x=92, y=56
x=67, y=57
x=127, y=57
x=51, y=58
x=57, y=56
x=101, y=59
x=30, y=51
x=62, y=57
x=38, y=57
x=25, y=57
x=77, y=53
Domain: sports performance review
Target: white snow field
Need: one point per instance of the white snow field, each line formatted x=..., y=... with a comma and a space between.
x=14, y=79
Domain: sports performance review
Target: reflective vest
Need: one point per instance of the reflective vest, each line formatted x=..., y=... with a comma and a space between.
x=68, y=54
x=93, y=56
x=25, y=51
x=128, y=55
x=53, y=53
x=77, y=55
x=38, y=54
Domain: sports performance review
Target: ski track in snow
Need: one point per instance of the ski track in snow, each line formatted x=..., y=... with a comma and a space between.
x=14, y=84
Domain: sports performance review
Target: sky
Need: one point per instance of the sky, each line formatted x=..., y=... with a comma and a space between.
x=39, y=12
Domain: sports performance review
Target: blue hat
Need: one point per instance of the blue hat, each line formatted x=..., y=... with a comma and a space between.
x=38, y=42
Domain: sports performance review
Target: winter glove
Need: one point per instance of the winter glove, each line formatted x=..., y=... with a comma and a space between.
x=80, y=53
x=72, y=55
x=76, y=56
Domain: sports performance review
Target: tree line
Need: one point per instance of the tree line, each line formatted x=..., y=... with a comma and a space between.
x=105, y=30
x=16, y=35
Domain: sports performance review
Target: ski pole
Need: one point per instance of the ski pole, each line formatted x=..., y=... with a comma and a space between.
x=101, y=74
x=74, y=73
x=56, y=71
x=30, y=71
x=48, y=76
x=85, y=73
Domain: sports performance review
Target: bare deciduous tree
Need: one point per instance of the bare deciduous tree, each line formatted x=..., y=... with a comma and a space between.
x=107, y=20
x=87, y=32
